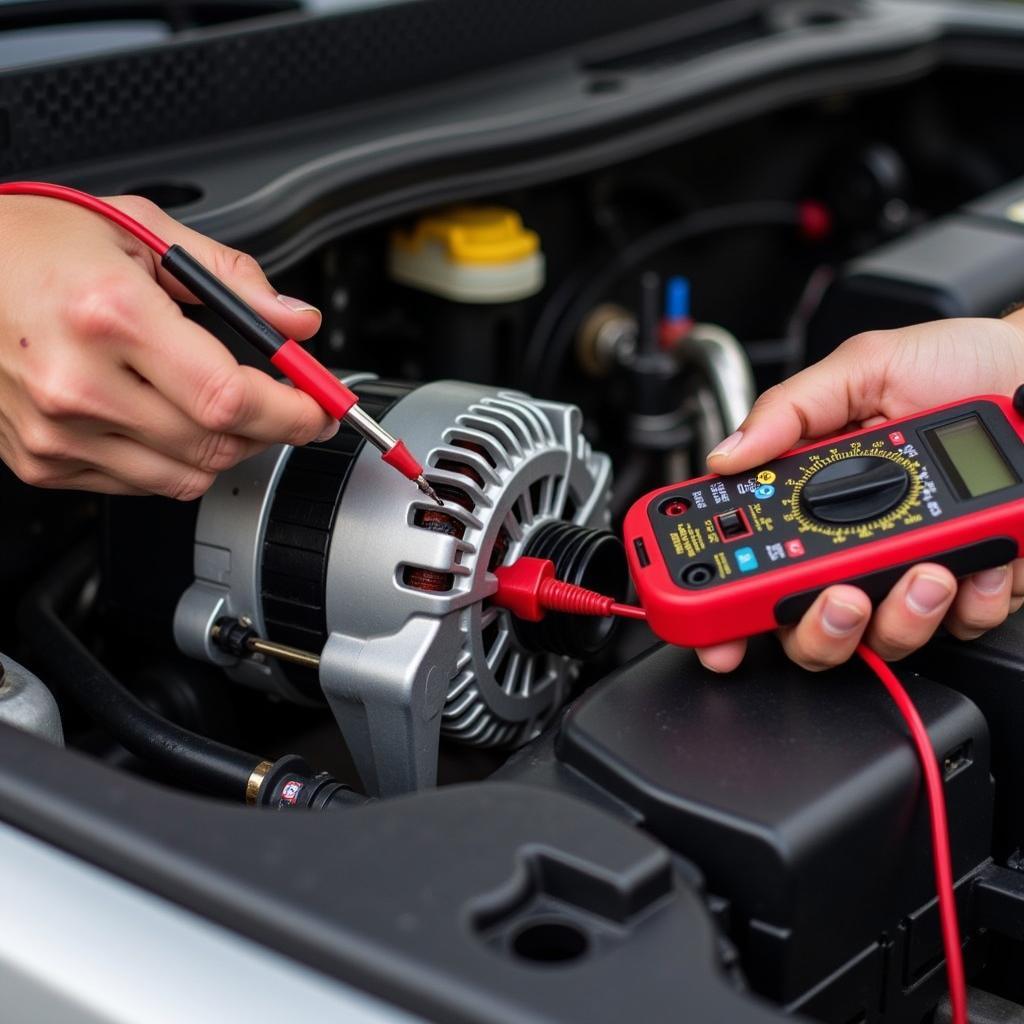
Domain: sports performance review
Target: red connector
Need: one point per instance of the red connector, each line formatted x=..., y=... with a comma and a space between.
x=815, y=220
x=528, y=589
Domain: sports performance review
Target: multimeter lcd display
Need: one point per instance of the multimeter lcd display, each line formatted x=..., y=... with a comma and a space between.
x=970, y=457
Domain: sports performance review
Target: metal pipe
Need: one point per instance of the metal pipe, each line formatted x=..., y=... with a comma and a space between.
x=236, y=636
x=283, y=653
x=722, y=358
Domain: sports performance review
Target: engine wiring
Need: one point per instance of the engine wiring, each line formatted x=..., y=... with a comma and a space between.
x=528, y=588
x=198, y=762
x=558, y=320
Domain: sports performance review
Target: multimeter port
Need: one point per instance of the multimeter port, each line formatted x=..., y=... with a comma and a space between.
x=698, y=575
x=732, y=525
x=674, y=507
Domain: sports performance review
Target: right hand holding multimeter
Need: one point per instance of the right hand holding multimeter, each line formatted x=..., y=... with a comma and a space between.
x=898, y=509
x=929, y=490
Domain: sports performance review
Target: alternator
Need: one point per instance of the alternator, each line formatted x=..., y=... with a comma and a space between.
x=325, y=549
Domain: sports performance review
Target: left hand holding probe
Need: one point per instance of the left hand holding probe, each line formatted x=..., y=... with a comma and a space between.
x=106, y=386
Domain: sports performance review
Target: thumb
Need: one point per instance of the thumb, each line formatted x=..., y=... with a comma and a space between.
x=821, y=400
x=295, y=318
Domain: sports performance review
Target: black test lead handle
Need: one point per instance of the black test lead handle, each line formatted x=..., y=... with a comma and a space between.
x=306, y=372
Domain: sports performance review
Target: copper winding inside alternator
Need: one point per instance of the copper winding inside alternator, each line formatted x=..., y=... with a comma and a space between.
x=439, y=521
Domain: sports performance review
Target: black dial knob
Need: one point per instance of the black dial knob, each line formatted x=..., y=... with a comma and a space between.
x=855, y=490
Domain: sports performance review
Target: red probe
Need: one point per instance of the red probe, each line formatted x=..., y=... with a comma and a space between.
x=528, y=589
x=303, y=370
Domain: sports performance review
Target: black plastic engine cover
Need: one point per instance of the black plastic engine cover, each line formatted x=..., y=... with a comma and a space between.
x=970, y=263
x=798, y=796
x=483, y=903
x=990, y=671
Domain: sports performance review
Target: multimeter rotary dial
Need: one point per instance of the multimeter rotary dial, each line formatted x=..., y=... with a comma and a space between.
x=854, y=491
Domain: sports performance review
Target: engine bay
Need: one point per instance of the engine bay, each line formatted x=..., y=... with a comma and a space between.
x=291, y=706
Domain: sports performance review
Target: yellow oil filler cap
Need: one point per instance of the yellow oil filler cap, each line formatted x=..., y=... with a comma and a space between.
x=481, y=254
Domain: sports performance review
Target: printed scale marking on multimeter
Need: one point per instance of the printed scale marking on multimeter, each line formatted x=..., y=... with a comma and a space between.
x=722, y=557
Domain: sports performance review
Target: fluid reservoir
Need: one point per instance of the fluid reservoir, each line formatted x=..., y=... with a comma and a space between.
x=26, y=703
x=477, y=254
x=468, y=271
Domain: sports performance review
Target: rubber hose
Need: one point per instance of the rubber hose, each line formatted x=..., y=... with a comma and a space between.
x=193, y=760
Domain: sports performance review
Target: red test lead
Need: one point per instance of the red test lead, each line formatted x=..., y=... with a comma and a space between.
x=302, y=369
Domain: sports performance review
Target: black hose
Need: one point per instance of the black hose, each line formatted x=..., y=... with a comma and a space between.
x=193, y=760
x=549, y=343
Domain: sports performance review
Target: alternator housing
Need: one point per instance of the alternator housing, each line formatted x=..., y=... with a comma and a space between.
x=326, y=549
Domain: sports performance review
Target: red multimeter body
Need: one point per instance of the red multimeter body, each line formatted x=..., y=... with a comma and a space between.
x=719, y=558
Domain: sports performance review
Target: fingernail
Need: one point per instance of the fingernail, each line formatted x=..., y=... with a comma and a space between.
x=728, y=446
x=297, y=305
x=327, y=433
x=840, y=618
x=990, y=581
x=926, y=593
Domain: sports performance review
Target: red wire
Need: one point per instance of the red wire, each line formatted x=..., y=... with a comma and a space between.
x=72, y=195
x=940, y=832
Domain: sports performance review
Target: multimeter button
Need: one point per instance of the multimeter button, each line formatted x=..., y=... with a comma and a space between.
x=732, y=524
x=854, y=490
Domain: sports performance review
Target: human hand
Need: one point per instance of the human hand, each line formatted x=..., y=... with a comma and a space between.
x=869, y=379
x=104, y=384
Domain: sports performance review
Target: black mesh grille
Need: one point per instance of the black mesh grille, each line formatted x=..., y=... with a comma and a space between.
x=240, y=79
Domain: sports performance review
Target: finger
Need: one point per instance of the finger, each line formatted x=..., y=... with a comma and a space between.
x=49, y=473
x=100, y=483
x=148, y=471
x=139, y=325
x=295, y=318
x=723, y=657
x=72, y=404
x=911, y=612
x=830, y=630
x=982, y=603
x=1017, y=585
x=196, y=373
x=63, y=458
x=135, y=409
x=823, y=399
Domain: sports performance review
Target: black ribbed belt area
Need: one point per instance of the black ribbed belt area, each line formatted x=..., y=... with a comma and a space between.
x=293, y=579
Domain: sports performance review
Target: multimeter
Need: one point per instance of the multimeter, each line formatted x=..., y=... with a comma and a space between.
x=723, y=557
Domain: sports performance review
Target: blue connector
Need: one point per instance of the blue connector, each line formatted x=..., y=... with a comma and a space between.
x=677, y=299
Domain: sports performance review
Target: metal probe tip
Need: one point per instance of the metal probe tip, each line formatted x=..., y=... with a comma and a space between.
x=421, y=483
